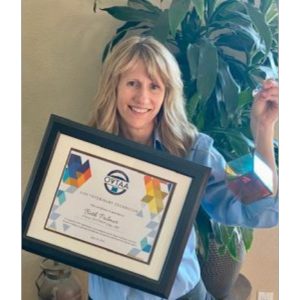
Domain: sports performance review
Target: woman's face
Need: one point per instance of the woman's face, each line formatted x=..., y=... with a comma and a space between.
x=139, y=100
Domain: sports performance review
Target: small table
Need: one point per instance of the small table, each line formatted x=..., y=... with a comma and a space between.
x=241, y=290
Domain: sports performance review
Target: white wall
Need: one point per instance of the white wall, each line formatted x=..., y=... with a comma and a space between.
x=261, y=265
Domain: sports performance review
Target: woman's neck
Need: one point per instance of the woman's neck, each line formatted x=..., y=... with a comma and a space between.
x=139, y=136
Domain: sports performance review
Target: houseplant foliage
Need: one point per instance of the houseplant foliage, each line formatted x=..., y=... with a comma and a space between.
x=224, y=50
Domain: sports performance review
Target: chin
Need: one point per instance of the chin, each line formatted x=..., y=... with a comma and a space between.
x=138, y=126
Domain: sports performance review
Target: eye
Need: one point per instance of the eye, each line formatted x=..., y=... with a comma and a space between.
x=132, y=83
x=154, y=86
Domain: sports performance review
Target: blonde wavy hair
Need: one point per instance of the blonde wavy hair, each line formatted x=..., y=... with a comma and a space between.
x=176, y=133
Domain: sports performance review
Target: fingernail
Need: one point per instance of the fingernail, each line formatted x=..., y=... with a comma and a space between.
x=257, y=90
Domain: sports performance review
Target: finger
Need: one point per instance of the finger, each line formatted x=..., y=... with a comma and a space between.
x=266, y=85
x=267, y=95
x=273, y=99
x=269, y=83
x=255, y=92
x=270, y=92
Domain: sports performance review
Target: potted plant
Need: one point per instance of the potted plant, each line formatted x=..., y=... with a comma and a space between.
x=224, y=50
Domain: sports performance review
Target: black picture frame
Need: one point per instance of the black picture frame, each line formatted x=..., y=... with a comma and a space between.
x=34, y=203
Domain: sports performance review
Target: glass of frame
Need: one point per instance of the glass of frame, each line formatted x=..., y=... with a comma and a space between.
x=110, y=206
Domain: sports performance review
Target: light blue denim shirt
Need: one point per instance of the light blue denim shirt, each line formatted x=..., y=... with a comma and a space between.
x=221, y=205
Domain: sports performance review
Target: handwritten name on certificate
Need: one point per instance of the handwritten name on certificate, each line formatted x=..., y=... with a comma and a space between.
x=109, y=205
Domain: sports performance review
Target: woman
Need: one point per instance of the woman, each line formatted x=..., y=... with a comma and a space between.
x=140, y=98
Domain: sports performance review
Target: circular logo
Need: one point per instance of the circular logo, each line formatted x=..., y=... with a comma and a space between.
x=116, y=182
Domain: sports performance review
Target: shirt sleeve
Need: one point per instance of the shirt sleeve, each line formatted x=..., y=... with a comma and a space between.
x=220, y=202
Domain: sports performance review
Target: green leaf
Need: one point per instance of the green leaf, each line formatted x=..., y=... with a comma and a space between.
x=232, y=134
x=161, y=28
x=232, y=247
x=262, y=72
x=239, y=71
x=207, y=69
x=248, y=38
x=204, y=226
x=221, y=113
x=273, y=66
x=95, y=6
x=127, y=26
x=245, y=97
x=228, y=237
x=216, y=230
x=200, y=117
x=106, y=51
x=177, y=12
x=272, y=16
x=199, y=5
x=262, y=27
x=229, y=87
x=192, y=104
x=124, y=13
x=237, y=41
x=190, y=28
x=258, y=58
x=252, y=34
x=200, y=249
x=229, y=24
x=247, y=236
x=226, y=234
x=210, y=7
x=234, y=18
x=226, y=7
x=265, y=5
x=117, y=39
x=145, y=4
x=112, y=43
x=243, y=145
x=193, y=57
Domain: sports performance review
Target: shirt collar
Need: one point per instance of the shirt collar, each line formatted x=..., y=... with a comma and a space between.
x=157, y=144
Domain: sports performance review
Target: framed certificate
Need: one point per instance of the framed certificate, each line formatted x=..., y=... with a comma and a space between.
x=110, y=206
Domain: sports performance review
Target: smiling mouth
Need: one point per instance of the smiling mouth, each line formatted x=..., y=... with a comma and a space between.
x=139, y=109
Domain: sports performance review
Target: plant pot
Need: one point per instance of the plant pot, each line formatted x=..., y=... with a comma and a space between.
x=220, y=272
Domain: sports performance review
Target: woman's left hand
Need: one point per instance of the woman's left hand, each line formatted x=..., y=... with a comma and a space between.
x=264, y=111
x=264, y=115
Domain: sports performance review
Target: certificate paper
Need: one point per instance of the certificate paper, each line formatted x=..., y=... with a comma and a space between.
x=108, y=205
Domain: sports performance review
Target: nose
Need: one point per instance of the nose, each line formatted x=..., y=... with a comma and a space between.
x=142, y=95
